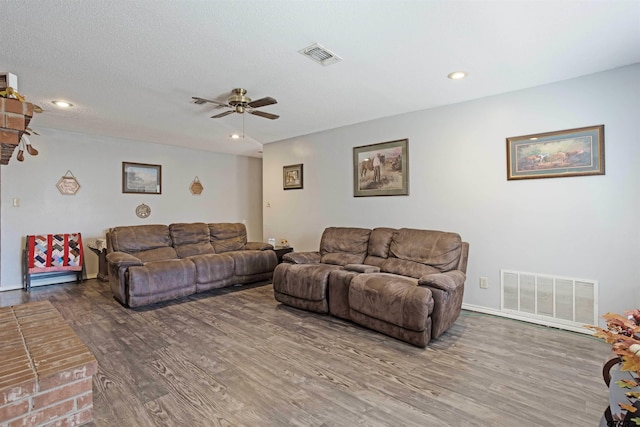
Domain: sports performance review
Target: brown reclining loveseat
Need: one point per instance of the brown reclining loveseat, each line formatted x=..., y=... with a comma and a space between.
x=405, y=283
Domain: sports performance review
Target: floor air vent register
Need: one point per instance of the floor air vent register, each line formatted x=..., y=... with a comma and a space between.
x=562, y=302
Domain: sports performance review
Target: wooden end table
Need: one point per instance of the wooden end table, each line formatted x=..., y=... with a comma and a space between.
x=281, y=250
x=99, y=247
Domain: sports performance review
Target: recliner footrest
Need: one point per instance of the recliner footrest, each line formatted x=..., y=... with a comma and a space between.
x=393, y=305
x=303, y=285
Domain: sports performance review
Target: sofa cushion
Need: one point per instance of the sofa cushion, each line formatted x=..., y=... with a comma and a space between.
x=227, y=237
x=137, y=238
x=362, y=268
x=374, y=260
x=248, y=263
x=438, y=249
x=213, y=267
x=344, y=245
x=302, y=257
x=172, y=278
x=158, y=254
x=407, y=268
x=379, y=242
x=191, y=239
x=393, y=299
x=303, y=281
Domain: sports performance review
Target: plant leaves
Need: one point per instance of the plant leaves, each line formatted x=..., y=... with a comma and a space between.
x=634, y=313
x=622, y=333
x=630, y=363
x=627, y=407
x=626, y=383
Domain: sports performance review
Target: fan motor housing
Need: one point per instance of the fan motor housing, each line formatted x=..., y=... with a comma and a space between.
x=238, y=98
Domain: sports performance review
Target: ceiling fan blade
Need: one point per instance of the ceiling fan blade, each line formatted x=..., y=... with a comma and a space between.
x=262, y=102
x=263, y=114
x=199, y=101
x=226, y=113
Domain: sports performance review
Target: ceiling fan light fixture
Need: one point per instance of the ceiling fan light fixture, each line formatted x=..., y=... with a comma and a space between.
x=320, y=54
x=457, y=75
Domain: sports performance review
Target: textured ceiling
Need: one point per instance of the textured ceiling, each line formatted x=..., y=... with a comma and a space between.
x=131, y=67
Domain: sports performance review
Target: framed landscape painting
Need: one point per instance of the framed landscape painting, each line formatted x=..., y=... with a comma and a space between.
x=381, y=169
x=572, y=152
x=141, y=178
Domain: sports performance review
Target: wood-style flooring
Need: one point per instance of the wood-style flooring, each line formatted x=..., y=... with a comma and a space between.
x=235, y=357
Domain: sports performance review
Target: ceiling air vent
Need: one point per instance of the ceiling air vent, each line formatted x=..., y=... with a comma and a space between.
x=320, y=54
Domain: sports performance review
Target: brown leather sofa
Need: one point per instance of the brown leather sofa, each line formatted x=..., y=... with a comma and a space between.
x=152, y=263
x=405, y=283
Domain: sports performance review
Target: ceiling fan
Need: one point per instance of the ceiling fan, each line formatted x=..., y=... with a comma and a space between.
x=239, y=103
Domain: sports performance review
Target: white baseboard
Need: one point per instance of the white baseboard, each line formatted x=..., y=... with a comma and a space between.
x=499, y=313
x=44, y=282
x=5, y=288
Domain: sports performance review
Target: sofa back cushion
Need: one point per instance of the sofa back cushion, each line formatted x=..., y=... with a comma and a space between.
x=227, y=237
x=147, y=242
x=344, y=245
x=437, y=249
x=379, y=242
x=191, y=239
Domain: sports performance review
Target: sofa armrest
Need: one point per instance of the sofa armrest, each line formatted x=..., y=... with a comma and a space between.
x=118, y=264
x=302, y=258
x=447, y=290
x=447, y=282
x=257, y=246
x=122, y=260
x=362, y=268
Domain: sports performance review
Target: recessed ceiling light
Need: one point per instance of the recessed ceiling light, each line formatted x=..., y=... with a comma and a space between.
x=63, y=104
x=457, y=75
x=235, y=136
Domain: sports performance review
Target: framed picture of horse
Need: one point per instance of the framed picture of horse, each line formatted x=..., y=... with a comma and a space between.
x=381, y=169
x=571, y=152
x=292, y=177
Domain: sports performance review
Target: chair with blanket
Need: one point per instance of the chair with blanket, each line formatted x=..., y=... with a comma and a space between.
x=53, y=253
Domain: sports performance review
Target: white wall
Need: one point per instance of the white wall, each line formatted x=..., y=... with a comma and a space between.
x=583, y=227
x=232, y=191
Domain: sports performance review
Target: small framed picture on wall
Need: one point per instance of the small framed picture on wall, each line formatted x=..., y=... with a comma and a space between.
x=141, y=178
x=292, y=177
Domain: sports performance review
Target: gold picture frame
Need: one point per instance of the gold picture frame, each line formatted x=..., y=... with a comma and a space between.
x=563, y=153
